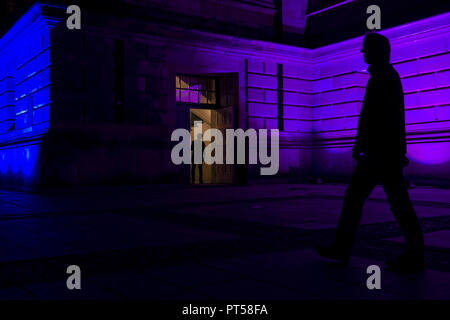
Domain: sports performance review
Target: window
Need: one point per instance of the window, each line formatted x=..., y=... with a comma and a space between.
x=30, y=105
x=7, y=111
x=119, y=81
x=196, y=90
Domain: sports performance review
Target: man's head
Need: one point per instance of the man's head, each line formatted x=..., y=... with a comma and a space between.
x=376, y=49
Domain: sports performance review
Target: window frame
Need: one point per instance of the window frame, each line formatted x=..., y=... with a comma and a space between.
x=198, y=103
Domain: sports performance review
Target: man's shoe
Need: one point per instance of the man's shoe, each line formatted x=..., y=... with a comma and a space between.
x=333, y=253
x=406, y=262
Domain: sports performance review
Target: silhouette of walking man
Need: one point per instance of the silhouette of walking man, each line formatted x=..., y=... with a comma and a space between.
x=194, y=165
x=380, y=150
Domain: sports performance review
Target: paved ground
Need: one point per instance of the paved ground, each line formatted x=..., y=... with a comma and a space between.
x=216, y=242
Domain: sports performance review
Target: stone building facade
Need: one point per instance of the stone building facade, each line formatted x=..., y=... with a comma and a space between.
x=98, y=105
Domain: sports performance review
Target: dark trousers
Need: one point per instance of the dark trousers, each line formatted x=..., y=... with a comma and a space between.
x=200, y=172
x=366, y=176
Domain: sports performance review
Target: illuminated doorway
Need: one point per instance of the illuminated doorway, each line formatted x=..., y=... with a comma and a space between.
x=204, y=98
x=218, y=119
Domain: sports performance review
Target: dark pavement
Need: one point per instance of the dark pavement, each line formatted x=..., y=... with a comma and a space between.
x=210, y=242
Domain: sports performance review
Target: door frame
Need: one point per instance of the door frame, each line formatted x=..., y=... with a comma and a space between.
x=240, y=172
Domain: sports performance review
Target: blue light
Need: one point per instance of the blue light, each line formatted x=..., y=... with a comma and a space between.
x=25, y=78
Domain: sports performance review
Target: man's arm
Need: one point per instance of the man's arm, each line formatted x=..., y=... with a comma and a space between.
x=356, y=151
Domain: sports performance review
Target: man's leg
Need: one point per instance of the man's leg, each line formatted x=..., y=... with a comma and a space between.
x=397, y=194
x=361, y=185
x=363, y=181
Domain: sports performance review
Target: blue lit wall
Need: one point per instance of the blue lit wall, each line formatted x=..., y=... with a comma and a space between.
x=24, y=97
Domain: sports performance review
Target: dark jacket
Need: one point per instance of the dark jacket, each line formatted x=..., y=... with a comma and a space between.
x=381, y=125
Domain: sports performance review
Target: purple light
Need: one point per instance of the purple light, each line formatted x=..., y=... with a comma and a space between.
x=429, y=153
x=420, y=53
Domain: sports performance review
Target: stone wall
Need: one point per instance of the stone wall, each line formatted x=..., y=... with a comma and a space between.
x=24, y=98
x=313, y=96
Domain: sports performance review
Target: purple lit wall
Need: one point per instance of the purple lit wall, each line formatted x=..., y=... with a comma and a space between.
x=313, y=95
x=322, y=93
x=298, y=103
x=420, y=53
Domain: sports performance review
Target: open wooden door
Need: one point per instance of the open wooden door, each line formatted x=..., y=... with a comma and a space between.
x=222, y=119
